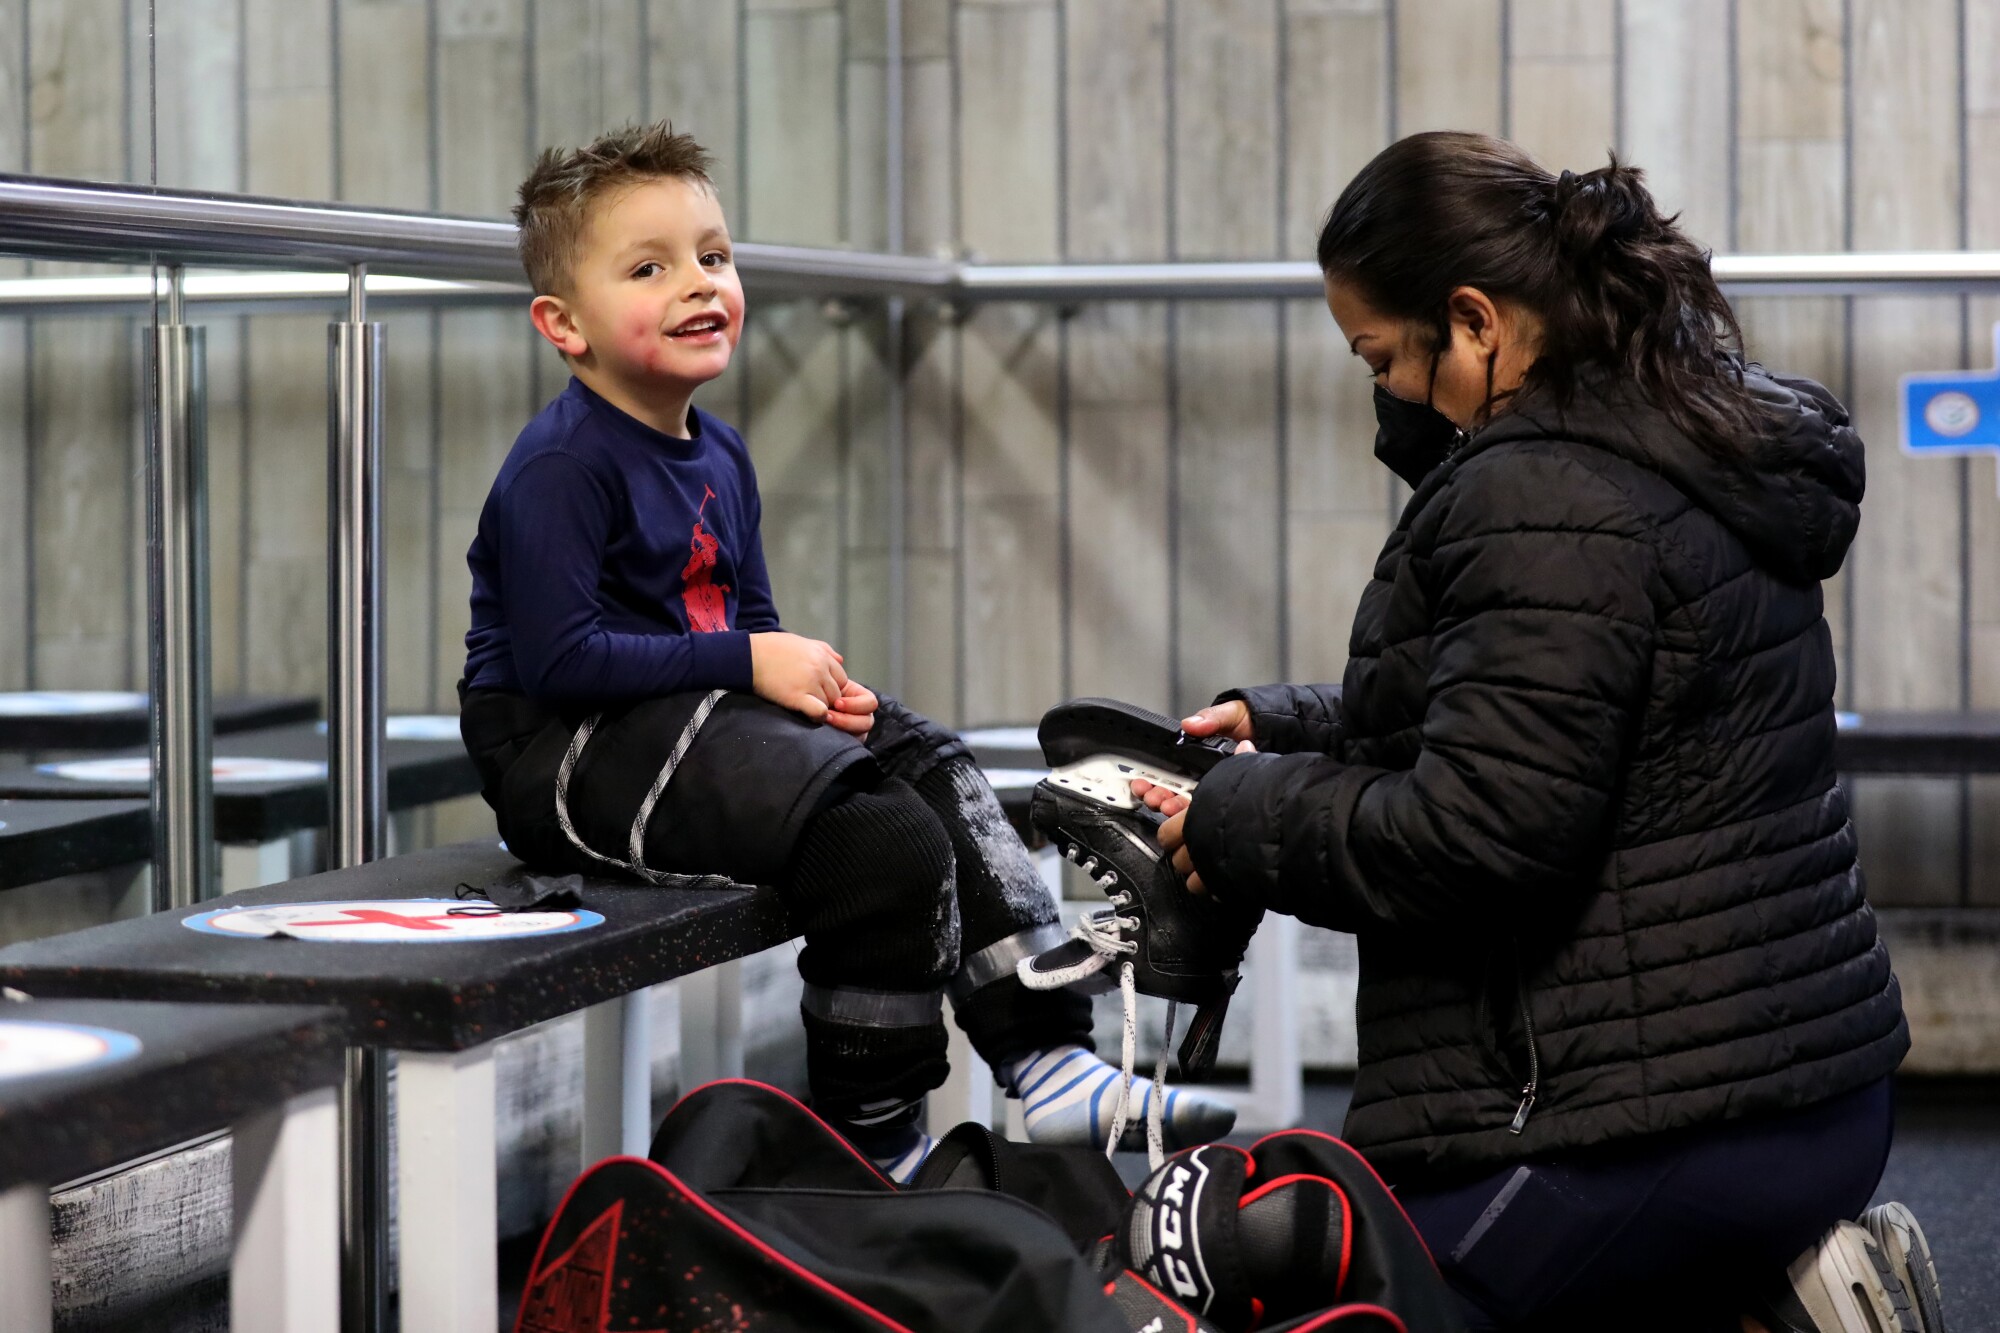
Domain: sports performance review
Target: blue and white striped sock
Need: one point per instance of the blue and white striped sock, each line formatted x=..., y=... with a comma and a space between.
x=890, y=1133
x=901, y=1167
x=1068, y=1096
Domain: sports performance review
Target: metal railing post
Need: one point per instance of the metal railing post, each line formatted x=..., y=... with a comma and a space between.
x=357, y=818
x=183, y=787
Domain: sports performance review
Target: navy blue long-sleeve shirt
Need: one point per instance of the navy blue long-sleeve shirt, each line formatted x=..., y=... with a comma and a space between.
x=614, y=562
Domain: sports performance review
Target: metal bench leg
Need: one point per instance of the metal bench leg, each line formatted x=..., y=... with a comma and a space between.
x=617, y=1078
x=249, y=865
x=402, y=832
x=284, y=1266
x=445, y=1169
x=1277, y=1089
x=1049, y=864
x=967, y=1093
x=26, y=1299
x=711, y=1024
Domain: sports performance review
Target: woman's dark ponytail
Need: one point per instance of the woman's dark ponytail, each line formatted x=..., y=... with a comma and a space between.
x=1615, y=284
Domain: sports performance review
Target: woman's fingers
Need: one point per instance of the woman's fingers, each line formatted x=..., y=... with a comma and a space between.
x=1230, y=718
x=1164, y=799
x=1199, y=724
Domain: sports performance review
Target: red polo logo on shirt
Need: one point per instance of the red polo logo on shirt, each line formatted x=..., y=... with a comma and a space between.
x=707, y=611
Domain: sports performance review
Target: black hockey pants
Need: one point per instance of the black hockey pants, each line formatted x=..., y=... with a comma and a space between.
x=893, y=856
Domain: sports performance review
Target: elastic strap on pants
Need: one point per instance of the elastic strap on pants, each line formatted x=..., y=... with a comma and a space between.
x=858, y=1007
x=636, y=848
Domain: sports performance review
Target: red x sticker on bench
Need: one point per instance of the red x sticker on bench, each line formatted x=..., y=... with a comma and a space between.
x=392, y=921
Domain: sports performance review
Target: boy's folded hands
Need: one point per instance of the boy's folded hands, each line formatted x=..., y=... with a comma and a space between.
x=806, y=676
x=854, y=711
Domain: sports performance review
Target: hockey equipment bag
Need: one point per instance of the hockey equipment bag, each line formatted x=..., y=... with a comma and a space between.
x=750, y=1213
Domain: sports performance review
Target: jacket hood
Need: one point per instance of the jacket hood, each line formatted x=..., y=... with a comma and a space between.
x=1793, y=497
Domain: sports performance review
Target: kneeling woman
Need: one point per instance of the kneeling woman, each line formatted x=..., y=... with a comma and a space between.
x=1626, y=1027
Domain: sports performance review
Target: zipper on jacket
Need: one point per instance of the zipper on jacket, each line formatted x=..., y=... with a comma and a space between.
x=1529, y=1091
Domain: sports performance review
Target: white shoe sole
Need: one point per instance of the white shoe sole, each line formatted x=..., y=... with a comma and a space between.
x=1846, y=1285
x=1899, y=1237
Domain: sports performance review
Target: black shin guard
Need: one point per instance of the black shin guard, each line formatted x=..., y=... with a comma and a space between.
x=871, y=889
x=1006, y=913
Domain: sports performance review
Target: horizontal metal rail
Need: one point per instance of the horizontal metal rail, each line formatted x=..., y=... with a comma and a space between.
x=453, y=260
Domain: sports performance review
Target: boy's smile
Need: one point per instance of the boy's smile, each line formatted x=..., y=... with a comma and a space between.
x=655, y=307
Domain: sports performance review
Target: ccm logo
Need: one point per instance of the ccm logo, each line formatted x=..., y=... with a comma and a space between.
x=1172, y=1224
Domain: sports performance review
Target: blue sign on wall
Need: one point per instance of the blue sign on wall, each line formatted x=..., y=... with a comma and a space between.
x=1953, y=411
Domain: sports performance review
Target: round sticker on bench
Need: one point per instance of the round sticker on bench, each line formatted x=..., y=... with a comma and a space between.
x=415, y=727
x=138, y=768
x=389, y=921
x=27, y=1049
x=68, y=703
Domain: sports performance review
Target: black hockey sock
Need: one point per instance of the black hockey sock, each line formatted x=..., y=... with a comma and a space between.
x=871, y=890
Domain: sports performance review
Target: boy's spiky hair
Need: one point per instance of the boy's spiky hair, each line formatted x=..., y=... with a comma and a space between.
x=556, y=198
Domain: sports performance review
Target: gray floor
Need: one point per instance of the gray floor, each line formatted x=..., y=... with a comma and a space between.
x=1946, y=1167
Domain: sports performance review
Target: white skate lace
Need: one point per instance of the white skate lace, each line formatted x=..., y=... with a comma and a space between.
x=1105, y=933
x=636, y=843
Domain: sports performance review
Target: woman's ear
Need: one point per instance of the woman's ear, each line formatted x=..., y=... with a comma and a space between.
x=1474, y=311
x=554, y=320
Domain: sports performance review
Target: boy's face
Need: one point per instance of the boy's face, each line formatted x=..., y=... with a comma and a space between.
x=655, y=298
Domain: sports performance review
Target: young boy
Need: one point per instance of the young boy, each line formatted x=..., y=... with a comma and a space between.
x=632, y=701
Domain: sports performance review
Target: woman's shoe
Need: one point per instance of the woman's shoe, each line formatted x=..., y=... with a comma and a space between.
x=1844, y=1284
x=1899, y=1237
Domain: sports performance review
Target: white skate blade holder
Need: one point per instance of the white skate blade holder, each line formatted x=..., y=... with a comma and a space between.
x=1274, y=1098
x=1107, y=779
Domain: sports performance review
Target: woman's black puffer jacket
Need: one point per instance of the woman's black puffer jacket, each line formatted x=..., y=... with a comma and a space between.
x=1576, y=793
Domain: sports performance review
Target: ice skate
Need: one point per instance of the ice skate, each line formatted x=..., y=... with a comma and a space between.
x=1156, y=938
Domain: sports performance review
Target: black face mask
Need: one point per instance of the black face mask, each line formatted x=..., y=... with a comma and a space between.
x=1411, y=438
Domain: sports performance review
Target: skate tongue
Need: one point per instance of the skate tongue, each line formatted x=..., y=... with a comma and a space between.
x=1203, y=1040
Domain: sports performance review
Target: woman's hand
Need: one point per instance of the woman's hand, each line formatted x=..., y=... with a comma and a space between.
x=1173, y=833
x=798, y=673
x=1229, y=718
x=1173, y=837
x=1165, y=799
x=854, y=711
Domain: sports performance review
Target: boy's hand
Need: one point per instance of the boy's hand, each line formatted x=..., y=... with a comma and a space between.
x=795, y=672
x=854, y=711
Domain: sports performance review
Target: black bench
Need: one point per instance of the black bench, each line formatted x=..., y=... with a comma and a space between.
x=252, y=808
x=439, y=1003
x=86, y=1085
x=68, y=864
x=1939, y=742
x=107, y=719
x=261, y=814
x=45, y=839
